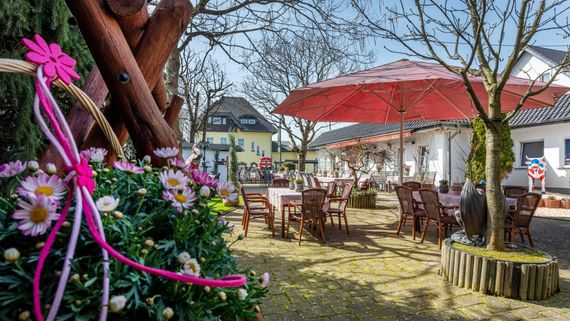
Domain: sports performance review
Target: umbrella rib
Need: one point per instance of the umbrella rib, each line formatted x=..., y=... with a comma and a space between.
x=450, y=102
x=418, y=97
x=356, y=90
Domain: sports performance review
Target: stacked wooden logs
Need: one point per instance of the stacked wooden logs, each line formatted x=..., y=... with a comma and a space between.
x=525, y=281
x=130, y=49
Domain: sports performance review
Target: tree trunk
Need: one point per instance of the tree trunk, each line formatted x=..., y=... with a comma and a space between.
x=172, y=71
x=301, y=158
x=495, y=204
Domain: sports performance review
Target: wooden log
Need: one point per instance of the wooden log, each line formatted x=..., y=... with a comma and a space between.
x=125, y=8
x=441, y=271
x=123, y=76
x=546, y=281
x=492, y=276
x=508, y=282
x=556, y=277
x=462, y=259
x=531, y=281
x=523, y=288
x=173, y=110
x=499, y=278
x=484, y=275
x=476, y=273
x=468, y=271
x=539, y=279
x=456, y=260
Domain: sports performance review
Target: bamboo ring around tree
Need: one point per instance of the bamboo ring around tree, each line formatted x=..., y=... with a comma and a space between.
x=20, y=66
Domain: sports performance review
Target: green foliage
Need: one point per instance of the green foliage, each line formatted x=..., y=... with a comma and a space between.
x=476, y=161
x=233, y=162
x=443, y=182
x=289, y=165
x=20, y=137
x=215, y=170
x=145, y=217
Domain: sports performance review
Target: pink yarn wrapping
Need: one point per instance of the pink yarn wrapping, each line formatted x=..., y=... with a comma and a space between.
x=83, y=179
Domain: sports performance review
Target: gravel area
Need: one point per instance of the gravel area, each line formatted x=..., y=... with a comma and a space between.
x=553, y=213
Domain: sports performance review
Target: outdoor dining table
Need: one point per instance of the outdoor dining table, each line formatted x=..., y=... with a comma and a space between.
x=450, y=199
x=338, y=180
x=279, y=197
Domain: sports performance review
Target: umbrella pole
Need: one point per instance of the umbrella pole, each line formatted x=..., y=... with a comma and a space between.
x=401, y=179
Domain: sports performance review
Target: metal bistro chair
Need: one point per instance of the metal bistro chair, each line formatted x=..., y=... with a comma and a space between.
x=256, y=205
x=408, y=209
x=280, y=182
x=518, y=220
x=340, y=208
x=436, y=214
x=310, y=210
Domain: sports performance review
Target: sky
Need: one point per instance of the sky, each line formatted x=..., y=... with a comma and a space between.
x=236, y=73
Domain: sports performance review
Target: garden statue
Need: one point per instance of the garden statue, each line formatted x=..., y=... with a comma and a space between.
x=472, y=216
x=194, y=159
x=536, y=170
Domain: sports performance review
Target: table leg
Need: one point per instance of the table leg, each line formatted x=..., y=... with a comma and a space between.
x=283, y=221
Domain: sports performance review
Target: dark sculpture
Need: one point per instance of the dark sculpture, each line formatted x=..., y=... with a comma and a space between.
x=472, y=216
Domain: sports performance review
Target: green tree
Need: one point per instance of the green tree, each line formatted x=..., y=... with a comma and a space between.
x=476, y=162
x=216, y=160
x=20, y=137
x=233, y=161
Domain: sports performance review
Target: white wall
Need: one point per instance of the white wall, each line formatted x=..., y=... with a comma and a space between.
x=531, y=67
x=222, y=169
x=553, y=136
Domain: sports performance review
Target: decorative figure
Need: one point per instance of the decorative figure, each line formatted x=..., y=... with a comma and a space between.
x=194, y=160
x=472, y=216
x=536, y=170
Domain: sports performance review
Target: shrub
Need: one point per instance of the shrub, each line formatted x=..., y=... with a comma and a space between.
x=443, y=182
x=290, y=165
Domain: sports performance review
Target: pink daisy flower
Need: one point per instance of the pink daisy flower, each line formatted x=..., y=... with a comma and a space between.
x=36, y=216
x=96, y=155
x=50, y=186
x=173, y=179
x=54, y=61
x=12, y=168
x=227, y=191
x=203, y=178
x=175, y=162
x=128, y=168
x=166, y=152
x=181, y=199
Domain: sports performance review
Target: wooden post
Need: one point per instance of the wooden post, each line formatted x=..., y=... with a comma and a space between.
x=531, y=281
x=484, y=275
x=539, y=279
x=123, y=77
x=461, y=281
x=468, y=271
x=476, y=273
x=499, y=278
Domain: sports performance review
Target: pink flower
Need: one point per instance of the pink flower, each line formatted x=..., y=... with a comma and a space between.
x=51, y=186
x=35, y=216
x=181, y=199
x=128, y=168
x=226, y=190
x=54, y=61
x=166, y=152
x=92, y=154
x=175, y=162
x=203, y=178
x=12, y=168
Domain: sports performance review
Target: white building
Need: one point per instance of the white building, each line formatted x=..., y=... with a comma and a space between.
x=443, y=146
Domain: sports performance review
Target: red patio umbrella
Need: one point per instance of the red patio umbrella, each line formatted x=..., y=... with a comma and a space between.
x=403, y=91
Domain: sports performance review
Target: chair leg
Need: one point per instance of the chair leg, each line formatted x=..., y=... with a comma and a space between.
x=272, y=225
x=513, y=234
x=288, y=225
x=529, y=237
x=522, y=237
x=339, y=225
x=246, y=227
x=439, y=236
x=322, y=226
x=414, y=220
x=400, y=225
x=332, y=219
x=424, y=232
x=301, y=231
x=345, y=222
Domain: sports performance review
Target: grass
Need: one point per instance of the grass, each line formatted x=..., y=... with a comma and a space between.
x=520, y=254
x=217, y=205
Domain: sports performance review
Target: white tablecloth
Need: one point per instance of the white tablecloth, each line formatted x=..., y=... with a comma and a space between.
x=280, y=196
x=449, y=199
x=338, y=180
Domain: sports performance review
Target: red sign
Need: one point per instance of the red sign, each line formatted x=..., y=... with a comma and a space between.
x=265, y=162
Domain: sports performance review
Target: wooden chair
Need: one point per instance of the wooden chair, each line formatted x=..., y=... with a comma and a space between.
x=331, y=189
x=514, y=191
x=408, y=208
x=340, y=208
x=256, y=205
x=436, y=214
x=280, y=182
x=310, y=210
x=414, y=186
x=518, y=220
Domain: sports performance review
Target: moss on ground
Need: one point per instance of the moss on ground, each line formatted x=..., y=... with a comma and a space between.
x=520, y=254
x=217, y=205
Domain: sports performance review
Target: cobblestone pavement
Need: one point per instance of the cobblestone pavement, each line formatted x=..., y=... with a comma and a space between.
x=373, y=274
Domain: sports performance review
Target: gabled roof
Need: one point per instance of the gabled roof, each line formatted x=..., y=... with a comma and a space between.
x=238, y=107
x=552, y=57
x=559, y=113
x=364, y=130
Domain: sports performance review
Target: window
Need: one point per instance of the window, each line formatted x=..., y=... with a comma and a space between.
x=567, y=152
x=251, y=121
x=217, y=120
x=545, y=76
x=531, y=150
x=243, y=121
x=241, y=143
x=257, y=150
x=224, y=120
x=209, y=120
x=263, y=152
x=423, y=155
x=223, y=140
x=210, y=140
x=252, y=146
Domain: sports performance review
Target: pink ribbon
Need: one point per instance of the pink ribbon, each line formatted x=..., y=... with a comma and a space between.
x=82, y=185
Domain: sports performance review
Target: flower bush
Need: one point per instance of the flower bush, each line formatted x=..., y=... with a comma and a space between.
x=157, y=217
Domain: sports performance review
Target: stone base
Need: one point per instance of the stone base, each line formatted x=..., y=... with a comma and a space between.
x=517, y=280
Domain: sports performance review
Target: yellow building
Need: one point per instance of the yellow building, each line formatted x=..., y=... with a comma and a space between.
x=235, y=115
x=289, y=154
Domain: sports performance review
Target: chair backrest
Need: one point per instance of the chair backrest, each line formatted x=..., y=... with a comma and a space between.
x=346, y=191
x=331, y=188
x=317, y=182
x=405, y=199
x=430, y=202
x=245, y=198
x=313, y=200
x=515, y=191
x=280, y=182
x=417, y=177
x=306, y=181
x=526, y=206
x=429, y=178
x=415, y=186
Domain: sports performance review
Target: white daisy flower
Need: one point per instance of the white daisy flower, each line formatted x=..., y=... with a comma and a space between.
x=12, y=168
x=191, y=267
x=50, y=186
x=183, y=257
x=128, y=168
x=97, y=154
x=241, y=294
x=173, y=179
x=166, y=152
x=107, y=204
x=35, y=216
x=205, y=191
x=117, y=303
x=264, y=280
x=181, y=200
x=227, y=191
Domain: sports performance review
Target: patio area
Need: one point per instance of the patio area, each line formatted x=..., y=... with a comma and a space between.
x=373, y=274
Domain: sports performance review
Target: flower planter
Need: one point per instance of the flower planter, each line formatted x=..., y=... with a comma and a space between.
x=362, y=201
x=566, y=204
x=291, y=185
x=553, y=203
x=542, y=203
x=510, y=279
x=443, y=188
x=298, y=187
